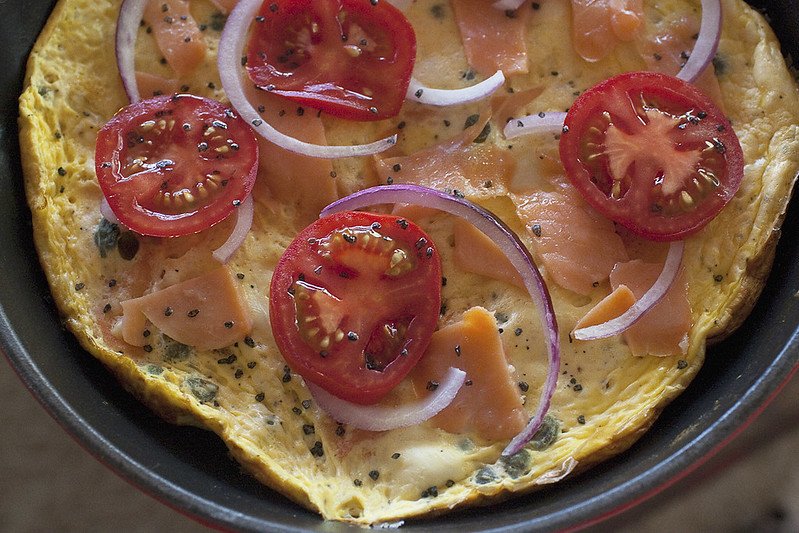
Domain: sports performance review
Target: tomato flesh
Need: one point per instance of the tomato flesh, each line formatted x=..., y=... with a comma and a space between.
x=353, y=302
x=652, y=153
x=175, y=165
x=350, y=58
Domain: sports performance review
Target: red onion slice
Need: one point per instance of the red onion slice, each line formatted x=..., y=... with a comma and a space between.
x=511, y=245
x=382, y=418
x=507, y=5
x=244, y=215
x=706, y=43
x=550, y=122
x=127, y=32
x=671, y=268
x=108, y=213
x=231, y=49
x=417, y=92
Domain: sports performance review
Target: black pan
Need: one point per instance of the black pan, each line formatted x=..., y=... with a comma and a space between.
x=189, y=469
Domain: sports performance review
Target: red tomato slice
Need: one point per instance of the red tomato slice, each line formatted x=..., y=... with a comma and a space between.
x=175, y=165
x=350, y=58
x=651, y=152
x=353, y=302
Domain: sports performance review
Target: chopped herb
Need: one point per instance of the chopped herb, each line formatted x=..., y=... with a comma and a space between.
x=308, y=429
x=106, y=236
x=471, y=120
x=202, y=389
x=581, y=419
x=523, y=386
x=682, y=363
x=260, y=397
x=174, y=351
x=517, y=464
x=374, y=474
x=547, y=434
x=485, y=475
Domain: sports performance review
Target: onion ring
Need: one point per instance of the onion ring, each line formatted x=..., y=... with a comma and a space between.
x=244, y=216
x=417, y=92
x=108, y=213
x=507, y=5
x=511, y=245
x=615, y=326
x=381, y=418
x=707, y=43
x=551, y=122
x=127, y=32
x=231, y=47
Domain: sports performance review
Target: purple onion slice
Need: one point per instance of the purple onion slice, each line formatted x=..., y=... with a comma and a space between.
x=493, y=227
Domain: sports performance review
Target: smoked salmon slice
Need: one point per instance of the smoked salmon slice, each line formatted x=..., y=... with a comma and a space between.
x=207, y=312
x=492, y=39
x=177, y=34
x=663, y=330
x=475, y=252
x=153, y=85
x=458, y=164
x=599, y=25
x=489, y=404
x=577, y=246
x=667, y=51
x=308, y=183
x=611, y=306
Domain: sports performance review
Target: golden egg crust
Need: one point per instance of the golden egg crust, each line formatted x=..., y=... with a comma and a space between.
x=262, y=410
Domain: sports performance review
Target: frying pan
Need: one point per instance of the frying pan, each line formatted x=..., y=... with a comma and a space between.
x=190, y=470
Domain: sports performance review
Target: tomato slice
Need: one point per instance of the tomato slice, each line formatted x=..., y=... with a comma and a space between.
x=651, y=152
x=350, y=58
x=353, y=302
x=175, y=165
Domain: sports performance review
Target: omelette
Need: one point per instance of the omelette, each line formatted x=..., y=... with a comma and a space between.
x=108, y=280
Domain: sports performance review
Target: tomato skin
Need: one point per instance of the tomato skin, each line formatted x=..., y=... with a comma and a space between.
x=336, y=281
x=352, y=59
x=652, y=153
x=175, y=164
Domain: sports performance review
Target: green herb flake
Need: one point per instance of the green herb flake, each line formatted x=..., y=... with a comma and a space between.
x=106, y=237
x=547, y=434
x=202, y=389
x=517, y=464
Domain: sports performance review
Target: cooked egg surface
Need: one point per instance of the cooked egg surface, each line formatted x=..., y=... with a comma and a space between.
x=249, y=396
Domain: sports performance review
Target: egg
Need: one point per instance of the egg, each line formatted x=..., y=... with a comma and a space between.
x=262, y=409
